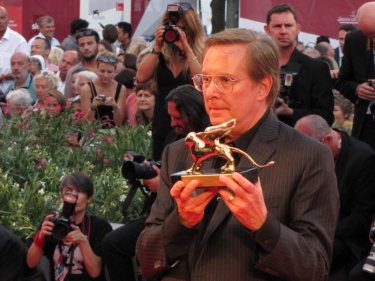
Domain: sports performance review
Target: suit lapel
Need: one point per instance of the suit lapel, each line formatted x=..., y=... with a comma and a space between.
x=261, y=150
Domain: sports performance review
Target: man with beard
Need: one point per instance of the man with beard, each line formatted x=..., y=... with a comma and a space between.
x=19, y=63
x=87, y=40
x=306, y=83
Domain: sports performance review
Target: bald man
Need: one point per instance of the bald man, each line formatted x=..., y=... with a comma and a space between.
x=357, y=69
x=355, y=172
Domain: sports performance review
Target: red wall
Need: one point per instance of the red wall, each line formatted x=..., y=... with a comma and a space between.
x=62, y=11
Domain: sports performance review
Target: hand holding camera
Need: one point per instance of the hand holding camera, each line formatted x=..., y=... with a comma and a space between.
x=366, y=90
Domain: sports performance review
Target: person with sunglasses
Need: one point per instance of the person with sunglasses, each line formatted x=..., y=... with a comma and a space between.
x=276, y=225
x=173, y=61
x=104, y=98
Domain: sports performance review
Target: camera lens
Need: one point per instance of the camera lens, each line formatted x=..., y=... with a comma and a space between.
x=133, y=170
x=170, y=35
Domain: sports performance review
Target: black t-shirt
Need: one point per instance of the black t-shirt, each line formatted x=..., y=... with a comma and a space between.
x=64, y=259
x=161, y=122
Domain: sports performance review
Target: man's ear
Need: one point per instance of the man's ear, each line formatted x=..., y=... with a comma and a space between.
x=266, y=29
x=263, y=87
x=298, y=28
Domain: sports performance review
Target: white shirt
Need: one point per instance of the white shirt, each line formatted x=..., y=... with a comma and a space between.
x=54, y=41
x=13, y=42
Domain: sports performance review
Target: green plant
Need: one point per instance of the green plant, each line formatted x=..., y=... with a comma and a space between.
x=36, y=154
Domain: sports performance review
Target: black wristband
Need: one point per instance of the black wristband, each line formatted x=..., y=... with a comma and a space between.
x=153, y=51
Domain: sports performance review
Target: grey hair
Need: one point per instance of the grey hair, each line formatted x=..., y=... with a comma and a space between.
x=20, y=97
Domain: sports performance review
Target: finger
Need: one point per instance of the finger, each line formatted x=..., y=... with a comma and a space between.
x=189, y=190
x=177, y=188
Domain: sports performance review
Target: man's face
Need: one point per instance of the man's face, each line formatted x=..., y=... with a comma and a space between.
x=19, y=66
x=246, y=102
x=38, y=47
x=4, y=20
x=88, y=47
x=123, y=37
x=67, y=62
x=284, y=29
x=180, y=125
x=342, y=35
x=48, y=29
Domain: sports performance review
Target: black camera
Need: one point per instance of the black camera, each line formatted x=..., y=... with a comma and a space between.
x=62, y=222
x=134, y=168
x=171, y=34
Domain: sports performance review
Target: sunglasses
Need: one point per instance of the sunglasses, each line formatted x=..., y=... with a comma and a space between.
x=86, y=32
x=107, y=59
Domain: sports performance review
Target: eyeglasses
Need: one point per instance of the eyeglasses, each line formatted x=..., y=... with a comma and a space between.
x=107, y=59
x=222, y=83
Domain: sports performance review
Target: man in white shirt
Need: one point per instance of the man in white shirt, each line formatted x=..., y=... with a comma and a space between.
x=10, y=42
x=46, y=26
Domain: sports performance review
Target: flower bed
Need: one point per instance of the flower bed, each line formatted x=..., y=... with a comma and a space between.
x=36, y=152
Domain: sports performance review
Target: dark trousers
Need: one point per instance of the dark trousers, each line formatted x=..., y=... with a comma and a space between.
x=368, y=131
x=118, y=248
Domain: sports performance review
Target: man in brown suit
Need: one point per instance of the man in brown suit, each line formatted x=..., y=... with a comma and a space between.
x=279, y=227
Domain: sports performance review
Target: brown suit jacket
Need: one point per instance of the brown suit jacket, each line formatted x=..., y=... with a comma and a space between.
x=295, y=243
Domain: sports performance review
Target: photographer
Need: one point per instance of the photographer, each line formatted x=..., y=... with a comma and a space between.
x=174, y=60
x=71, y=240
x=186, y=109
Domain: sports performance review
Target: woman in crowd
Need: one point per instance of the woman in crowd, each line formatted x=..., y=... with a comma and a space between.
x=103, y=98
x=55, y=102
x=36, y=64
x=79, y=79
x=77, y=254
x=342, y=112
x=44, y=82
x=172, y=64
x=145, y=97
x=19, y=103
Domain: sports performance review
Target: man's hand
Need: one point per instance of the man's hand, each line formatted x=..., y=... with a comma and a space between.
x=245, y=200
x=47, y=226
x=191, y=205
x=75, y=236
x=365, y=91
x=283, y=109
x=153, y=183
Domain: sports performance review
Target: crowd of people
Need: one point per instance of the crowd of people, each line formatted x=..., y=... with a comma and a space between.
x=309, y=109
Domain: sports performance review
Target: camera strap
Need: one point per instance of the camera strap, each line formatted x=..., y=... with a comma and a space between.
x=129, y=198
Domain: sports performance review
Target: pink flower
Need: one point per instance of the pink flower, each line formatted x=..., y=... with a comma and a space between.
x=105, y=161
x=78, y=115
x=41, y=163
x=108, y=139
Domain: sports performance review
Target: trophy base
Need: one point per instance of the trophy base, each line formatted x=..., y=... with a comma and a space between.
x=210, y=178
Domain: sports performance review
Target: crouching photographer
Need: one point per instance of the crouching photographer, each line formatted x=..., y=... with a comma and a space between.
x=71, y=239
x=119, y=245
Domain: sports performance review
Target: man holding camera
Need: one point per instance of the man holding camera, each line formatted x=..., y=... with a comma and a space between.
x=306, y=83
x=357, y=75
x=71, y=240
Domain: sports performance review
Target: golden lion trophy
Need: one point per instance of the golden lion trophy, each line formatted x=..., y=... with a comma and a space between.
x=207, y=144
